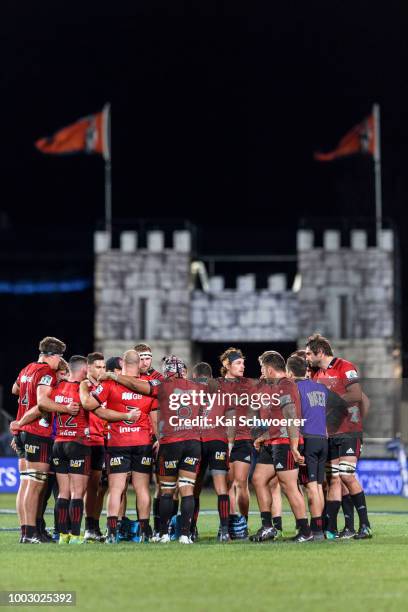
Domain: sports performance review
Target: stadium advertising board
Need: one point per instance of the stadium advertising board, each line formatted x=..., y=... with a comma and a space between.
x=377, y=476
x=9, y=475
x=380, y=476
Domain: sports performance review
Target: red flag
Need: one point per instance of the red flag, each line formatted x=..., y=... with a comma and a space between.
x=87, y=135
x=360, y=139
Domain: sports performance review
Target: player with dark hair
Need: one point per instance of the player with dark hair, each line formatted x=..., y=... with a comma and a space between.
x=95, y=491
x=71, y=454
x=316, y=402
x=34, y=386
x=279, y=446
x=114, y=364
x=147, y=372
x=214, y=452
x=345, y=440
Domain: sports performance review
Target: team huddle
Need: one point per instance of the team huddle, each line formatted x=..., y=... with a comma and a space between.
x=87, y=428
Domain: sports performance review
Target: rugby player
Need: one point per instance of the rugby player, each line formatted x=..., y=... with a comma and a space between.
x=240, y=441
x=129, y=448
x=345, y=441
x=180, y=447
x=71, y=454
x=214, y=453
x=115, y=364
x=95, y=490
x=279, y=446
x=34, y=386
x=62, y=373
x=147, y=372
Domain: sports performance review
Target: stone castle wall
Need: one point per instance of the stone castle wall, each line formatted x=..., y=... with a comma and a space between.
x=344, y=292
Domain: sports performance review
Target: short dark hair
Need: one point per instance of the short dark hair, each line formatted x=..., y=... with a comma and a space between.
x=297, y=366
x=113, y=363
x=143, y=348
x=299, y=353
x=52, y=346
x=76, y=362
x=92, y=357
x=274, y=360
x=317, y=342
x=264, y=354
x=202, y=370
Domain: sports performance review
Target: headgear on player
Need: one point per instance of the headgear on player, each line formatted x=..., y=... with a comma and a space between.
x=173, y=366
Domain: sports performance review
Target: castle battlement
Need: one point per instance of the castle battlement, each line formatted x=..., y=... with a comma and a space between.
x=345, y=291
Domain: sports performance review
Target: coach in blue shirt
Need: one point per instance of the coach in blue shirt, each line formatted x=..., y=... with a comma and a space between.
x=319, y=406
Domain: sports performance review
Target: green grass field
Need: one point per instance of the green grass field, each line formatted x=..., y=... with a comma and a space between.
x=335, y=576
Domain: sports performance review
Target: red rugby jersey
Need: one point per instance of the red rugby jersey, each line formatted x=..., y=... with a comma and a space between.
x=153, y=375
x=97, y=427
x=31, y=377
x=282, y=393
x=339, y=375
x=178, y=420
x=238, y=388
x=70, y=428
x=214, y=425
x=114, y=396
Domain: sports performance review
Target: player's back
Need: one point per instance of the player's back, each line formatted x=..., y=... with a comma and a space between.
x=30, y=377
x=313, y=400
x=71, y=428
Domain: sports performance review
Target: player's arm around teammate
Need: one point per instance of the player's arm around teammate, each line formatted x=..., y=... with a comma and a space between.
x=280, y=453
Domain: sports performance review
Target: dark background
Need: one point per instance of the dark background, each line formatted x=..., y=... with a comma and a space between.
x=217, y=108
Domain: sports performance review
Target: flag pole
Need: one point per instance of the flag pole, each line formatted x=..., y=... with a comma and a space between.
x=107, y=155
x=377, y=173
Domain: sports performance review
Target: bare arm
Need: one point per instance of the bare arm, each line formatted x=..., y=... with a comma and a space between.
x=261, y=439
x=365, y=406
x=153, y=420
x=114, y=415
x=353, y=393
x=30, y=416
x=289, y=412
x=88, y=401
x=15, y=389
x=230, y=413
x=46, y=404
x=132, y=383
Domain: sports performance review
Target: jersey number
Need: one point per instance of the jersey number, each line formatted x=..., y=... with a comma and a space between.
x=68, y=423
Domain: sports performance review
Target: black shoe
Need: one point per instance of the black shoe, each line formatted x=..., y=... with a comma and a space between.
x=300, y=537
x=347, y=534
x=45, y=538
x=264, y=534
x=318, y=536
x=364, y=533
x=99, y=536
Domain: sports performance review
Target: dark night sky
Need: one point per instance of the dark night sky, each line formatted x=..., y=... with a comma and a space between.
x=217, y=108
